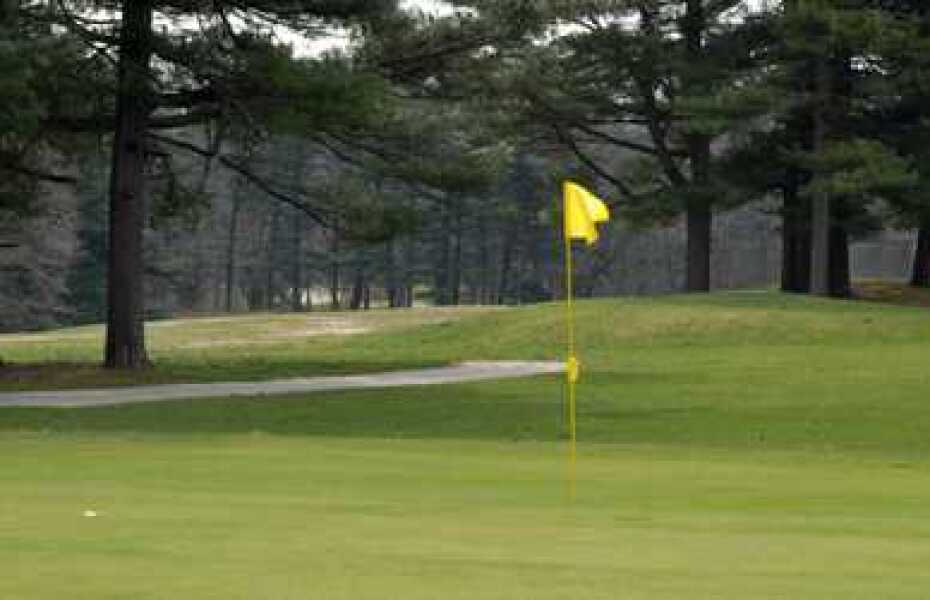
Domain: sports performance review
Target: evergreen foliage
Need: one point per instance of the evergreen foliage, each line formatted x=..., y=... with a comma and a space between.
x=423, y=158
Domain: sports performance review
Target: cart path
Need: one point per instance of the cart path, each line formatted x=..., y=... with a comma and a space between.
x=458, y=373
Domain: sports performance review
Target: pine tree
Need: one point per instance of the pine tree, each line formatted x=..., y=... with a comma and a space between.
x=660, y=84
x=227, y=70
x=905, y=124
x=828, y=84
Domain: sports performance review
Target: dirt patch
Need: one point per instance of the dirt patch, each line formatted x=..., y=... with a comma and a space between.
x=28, y=372
x=193, y=321
x=46, y=337
x=314, y=327
x=346, y=329
x=891, y=293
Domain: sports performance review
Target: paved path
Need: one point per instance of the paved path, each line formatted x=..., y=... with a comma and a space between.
x=463, y=372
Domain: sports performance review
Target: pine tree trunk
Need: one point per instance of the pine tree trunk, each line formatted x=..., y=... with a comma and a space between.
x=390, y=275
x=699, y=212
x=820, y=203
x=358, y=289
x=840, y=285
x=125, y=336
x=921, y=275
x=796, y=209
x=700, y=221
x=273, y=240
x=297, y=275
x=409, y=258
x=200, y=273
x=796, y=241
x=820, y=246
x=441, y=277
x=699, y=217
x=503, y=282
x=484, y=260
x=334, y=273
x=455, y=268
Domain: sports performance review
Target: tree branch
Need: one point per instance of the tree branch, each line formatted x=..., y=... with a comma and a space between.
x=590, y=163
x=245, y=172
x=37, y=174
x=555, y=116
x=105, y=122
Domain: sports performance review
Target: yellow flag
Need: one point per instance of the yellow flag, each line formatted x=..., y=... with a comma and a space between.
x=582, y=211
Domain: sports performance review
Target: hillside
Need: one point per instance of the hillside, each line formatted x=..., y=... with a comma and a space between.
x=736, y=369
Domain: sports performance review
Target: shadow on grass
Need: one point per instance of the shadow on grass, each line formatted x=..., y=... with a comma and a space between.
x=529, y=409
x=615, y=379
x=517, y=410
x=440, y=412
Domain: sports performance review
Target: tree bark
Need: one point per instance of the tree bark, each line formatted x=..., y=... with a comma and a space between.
x=840, y=285
x=796, y=239
x=409, y=258
x=231, y=250
x=484, y=260
x=390, y=275
x=270, y=255
x=699, y=212
x=358, y=289
x=700, y=222
x=820, y=246
x=796, y=208
x=455, y=268
x=297, y=276
x=334, y=273
x=820, y=203
x=921, y=274
x=125, y=336
x=503, y=282
x=200, y=274
x=443, y=260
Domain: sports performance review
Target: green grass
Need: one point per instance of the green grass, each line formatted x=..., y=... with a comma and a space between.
x=735, y=446
x=240, y=348
x=270, y=517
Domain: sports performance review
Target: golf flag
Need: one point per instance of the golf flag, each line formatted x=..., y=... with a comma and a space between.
x=583, y=210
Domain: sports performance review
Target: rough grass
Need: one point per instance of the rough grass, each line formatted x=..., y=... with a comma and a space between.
x=735, y=446
x=892, y=293
x=269, y=346
x=234, y=348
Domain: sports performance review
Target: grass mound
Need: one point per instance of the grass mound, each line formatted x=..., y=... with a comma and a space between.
x=729, y=370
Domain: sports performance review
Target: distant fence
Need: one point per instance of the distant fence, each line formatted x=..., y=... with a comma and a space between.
x=746, y=253
x=888, y=255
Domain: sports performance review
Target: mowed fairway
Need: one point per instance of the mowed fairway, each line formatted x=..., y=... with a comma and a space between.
x=745, y=445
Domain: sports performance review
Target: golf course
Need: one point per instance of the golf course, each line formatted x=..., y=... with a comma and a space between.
x=732, y=446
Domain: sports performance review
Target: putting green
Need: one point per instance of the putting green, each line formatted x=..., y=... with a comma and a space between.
x=257, y=516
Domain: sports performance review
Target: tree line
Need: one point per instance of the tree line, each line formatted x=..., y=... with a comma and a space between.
x=194, y=147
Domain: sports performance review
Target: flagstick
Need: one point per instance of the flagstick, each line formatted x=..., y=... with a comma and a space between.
x=570, y=365
x=570, y=304
x=582, y=211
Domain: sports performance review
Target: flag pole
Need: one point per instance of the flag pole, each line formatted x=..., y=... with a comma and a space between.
x=572, y=362
x=571, y=365
x=581, y=212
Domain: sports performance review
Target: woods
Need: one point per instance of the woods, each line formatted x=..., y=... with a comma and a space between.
x=163, y=158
